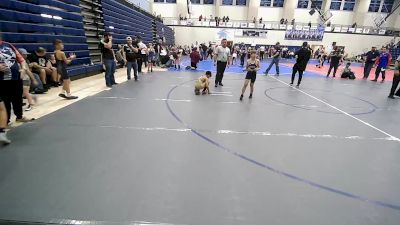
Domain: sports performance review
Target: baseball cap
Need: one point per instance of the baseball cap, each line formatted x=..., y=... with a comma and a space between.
x=23, y=51
x=128, y=38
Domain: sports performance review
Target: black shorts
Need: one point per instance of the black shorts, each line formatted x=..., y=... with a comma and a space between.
x=64, y=75
x=251, y=76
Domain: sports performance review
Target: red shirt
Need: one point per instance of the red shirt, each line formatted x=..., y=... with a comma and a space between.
x=195, y=57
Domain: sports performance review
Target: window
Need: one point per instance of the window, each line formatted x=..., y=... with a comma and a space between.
x=171, y=1
x=241, y=2
x=158, y=0
x=317, y=4
x=336, y=4
x=265, y=3
x=349, y=5
x=387, y=6
x=195, y=1
x=374, y=6
x=227, y=2
x=209, y=2
x=303, y=4
x=278, y=3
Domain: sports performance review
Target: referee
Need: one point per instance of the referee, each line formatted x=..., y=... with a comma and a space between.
x=222, y=57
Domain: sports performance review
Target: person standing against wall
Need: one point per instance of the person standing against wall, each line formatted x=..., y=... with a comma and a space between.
x=275, y=59
x=370, y=59
x=396, y=80
x=222, y=57
x=108, y=59
x=303, y=55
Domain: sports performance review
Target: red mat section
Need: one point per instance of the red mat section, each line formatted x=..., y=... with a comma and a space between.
x=359, y=71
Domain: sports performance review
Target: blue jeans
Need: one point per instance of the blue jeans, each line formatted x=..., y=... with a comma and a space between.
x=110, y=70
x=39, y=85
x=129, y=66
x=204, y=55
x=276, y=62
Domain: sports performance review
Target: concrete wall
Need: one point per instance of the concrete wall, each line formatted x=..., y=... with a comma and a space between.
x=359, y=15
x=354, y=44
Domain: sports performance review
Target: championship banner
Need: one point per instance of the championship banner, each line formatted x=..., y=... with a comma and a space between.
x=305, y=35
x=228, y=34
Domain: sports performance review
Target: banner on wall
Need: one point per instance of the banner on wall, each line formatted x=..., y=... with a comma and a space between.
x=228, y=34
x=305, y=35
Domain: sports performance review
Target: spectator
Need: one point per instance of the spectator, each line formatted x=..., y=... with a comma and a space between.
x=260, y=20
x=150, y=58
x=309, y=24
x=194, y=58
x=282, y=21
x=223, y=19
x=118, y=56
x=293, y=22
x=329, y=24
x=286, y=22
x=36, y=83
x=62, y=62
x=12, y=64
x=27, y=78
x=200, y=17
x=143, y=54
x=382, y=63
x=131, y=54
x=227, y=19
x=38, y=61
x=203, y=50
x=369, y=60
x=108, y=59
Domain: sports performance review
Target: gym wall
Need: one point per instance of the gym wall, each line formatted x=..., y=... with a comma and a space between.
x=355, y=44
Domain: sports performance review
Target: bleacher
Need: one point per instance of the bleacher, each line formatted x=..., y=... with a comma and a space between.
x=166, y=32
x=31, y=24
x=36, y=23
x=122, y=20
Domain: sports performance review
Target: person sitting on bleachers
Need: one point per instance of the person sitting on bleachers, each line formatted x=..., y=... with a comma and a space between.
x=36, y=84
x=38, y=60
x=52, y=63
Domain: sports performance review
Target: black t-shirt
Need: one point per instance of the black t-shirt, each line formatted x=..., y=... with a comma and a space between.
x=40, y=60
x=204, y=47
x=106, y=52
x=372, y=55
x=130, y=54
x=278, y=50
x=156, y=47
x=335, y=58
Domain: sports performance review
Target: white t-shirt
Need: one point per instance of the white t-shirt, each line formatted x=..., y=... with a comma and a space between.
x=222, y=53
x=142, y=48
